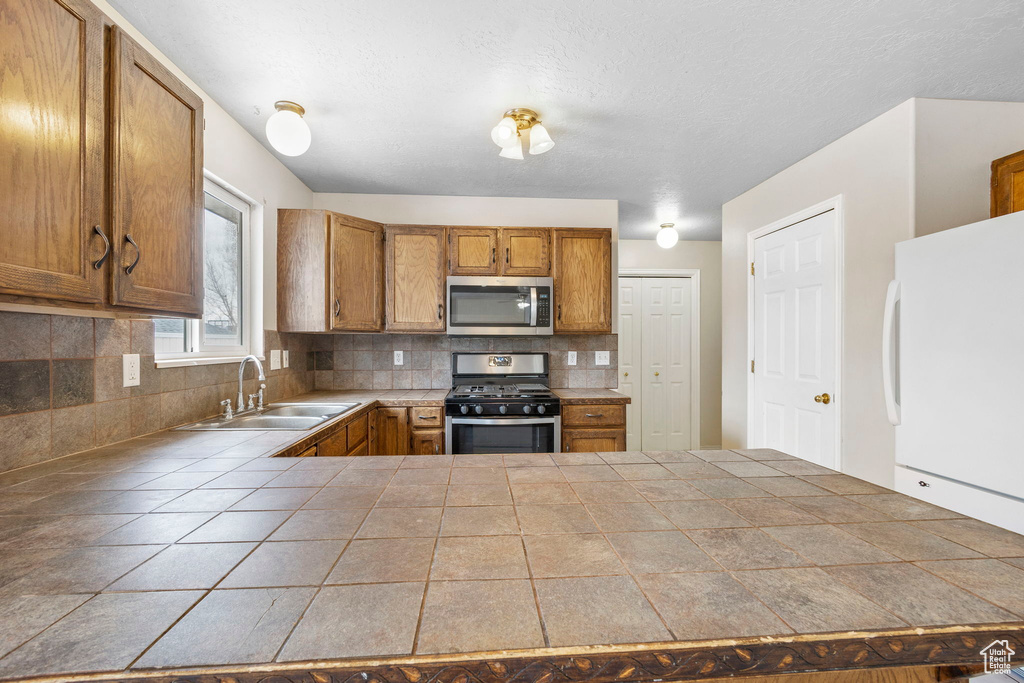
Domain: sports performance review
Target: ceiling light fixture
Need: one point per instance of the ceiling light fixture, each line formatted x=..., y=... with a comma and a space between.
x=287, y=131
x=508, y=133
x=667, y=236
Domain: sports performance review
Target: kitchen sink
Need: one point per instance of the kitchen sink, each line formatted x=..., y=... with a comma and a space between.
x=275, y=417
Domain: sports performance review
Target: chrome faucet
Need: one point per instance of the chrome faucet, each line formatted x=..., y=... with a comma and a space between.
x=240, y=404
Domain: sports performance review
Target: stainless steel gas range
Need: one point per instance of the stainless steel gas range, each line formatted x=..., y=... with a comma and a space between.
x=502, y=403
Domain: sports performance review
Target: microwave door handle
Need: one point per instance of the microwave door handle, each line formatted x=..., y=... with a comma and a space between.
x=533, y=307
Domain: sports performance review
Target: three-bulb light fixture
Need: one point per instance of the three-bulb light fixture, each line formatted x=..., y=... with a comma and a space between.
x=667, y=236
x=287, y=131
x=508, y=134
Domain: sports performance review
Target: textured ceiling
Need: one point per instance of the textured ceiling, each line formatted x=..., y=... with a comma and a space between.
x=671, y=107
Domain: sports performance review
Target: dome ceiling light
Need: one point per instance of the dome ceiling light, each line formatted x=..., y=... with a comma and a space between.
x=667, y=236
x=508, y=134
x=287, y=131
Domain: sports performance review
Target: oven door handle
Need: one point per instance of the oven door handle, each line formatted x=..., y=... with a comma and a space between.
x=502, y=421
x=533, y=307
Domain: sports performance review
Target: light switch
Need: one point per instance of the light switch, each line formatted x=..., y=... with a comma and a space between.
x=601, y=358
x=132, y=366
x=275, y=359
x=571, y=359
x=399, y=358
x=284, y=358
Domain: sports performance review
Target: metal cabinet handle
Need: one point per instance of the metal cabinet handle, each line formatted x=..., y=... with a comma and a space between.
x=440, y=316
x=507, y=250
x=425, y=417
x=138, y=254
x=436, y=447
x=494, y=254
x=337, y=308
x=559, y=312
x=595, y=414
x=97, y=264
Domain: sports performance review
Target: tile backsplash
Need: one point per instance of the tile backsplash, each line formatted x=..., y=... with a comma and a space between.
x=60, y=384
x=366, y=361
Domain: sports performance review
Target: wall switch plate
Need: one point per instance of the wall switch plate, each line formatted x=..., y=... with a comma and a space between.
x=284, y=358
x=399, y=358
x=275, y=359
x=571, y=359
x=602, y=358
x=132, y=367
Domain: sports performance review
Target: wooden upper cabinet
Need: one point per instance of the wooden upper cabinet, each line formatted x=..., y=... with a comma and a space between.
x=583, y=280
x=156, y=193
x=1008, y=184
x=51, y=147
x=526, y=252
x=414, y=278
x=473, y=251
x=302, y=255
x=356, y=274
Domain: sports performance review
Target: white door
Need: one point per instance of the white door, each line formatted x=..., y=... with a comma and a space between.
x=793, y=402
x=630, y=331
x=655, y=361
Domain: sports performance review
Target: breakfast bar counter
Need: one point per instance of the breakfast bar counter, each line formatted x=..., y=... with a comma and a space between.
x=195, y=556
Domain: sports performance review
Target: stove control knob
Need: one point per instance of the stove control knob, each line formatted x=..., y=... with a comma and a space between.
x=527, y=409
x=464, y=409
x=503, y=409
x=541, y=410
x=478, y=409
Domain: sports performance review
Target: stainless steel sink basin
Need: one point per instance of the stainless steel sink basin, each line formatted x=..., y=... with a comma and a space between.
x=275, y=417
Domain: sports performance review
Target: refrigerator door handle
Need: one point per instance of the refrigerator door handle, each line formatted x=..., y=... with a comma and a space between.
x=890, y=353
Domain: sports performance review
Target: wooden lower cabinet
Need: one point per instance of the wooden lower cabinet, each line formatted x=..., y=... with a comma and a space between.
x=362, y=448
x=590, y=440
x=334, y=445
x=427, y=442
x=587, y=428
x=309, y=452
x=390, y=430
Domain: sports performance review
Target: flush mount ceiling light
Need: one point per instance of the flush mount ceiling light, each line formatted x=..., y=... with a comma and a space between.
x=287, y=131
x=667, y=236
x=508, y=134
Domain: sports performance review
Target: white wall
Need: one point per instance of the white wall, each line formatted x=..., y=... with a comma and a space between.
x=872, y=169
x=956, y=142
x=706, y=257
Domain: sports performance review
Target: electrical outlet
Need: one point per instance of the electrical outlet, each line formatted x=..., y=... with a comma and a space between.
x=275, y=359
x=602, y=358
x=132, y=367
x=399, y=358
x=571, y=359
x=284, y=358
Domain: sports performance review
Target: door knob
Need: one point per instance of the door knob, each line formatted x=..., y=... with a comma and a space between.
x=625, y=374
x=823, y=398
x=656, y=374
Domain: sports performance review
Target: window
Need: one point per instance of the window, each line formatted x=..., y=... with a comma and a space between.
x=227, y=326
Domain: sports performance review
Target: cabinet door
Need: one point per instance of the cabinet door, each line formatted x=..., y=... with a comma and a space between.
x=1008, y=184
x=357, y=275
x=51, y=144
x=335, y=444
x=302, y=291
x=526, y=252
x=472, y=251
x=583, y=281
x=156, y=184
x=391, y=436
x=415, y=278
x=427, y=442
x=591, y=440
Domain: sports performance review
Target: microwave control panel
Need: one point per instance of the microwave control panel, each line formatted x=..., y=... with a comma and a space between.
x=543, y=308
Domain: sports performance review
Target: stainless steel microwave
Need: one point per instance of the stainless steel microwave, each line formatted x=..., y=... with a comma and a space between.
x=499, y=306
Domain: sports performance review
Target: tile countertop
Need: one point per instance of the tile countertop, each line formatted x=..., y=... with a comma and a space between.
x=185, y=552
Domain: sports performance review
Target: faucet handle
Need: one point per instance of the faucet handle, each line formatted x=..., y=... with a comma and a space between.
x=227, y=408
x=252, y=401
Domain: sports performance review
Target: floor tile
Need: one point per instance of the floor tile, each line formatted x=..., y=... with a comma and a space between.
x=838, y=509
x=786, y=486
x=811, y=601
x=412, y=496
x=745, y=549
x=184, y=567
x=323, y=635
x=597, y=610
x=898, y=506
x=543, y=494
x=700, y=514
x=82, y=570
x=241, y=480
x=917, y=597
x=107, y=632
x=490, y=520
x=231, y=626
x=23, y=616
x=421, y=477
x=295, y=478
x=377, y=462
x=205, y=500
x=14, y=565
x=555, y=519
x=275, y=499
x=769, y=511
x=535, y=475
x=479, y=557
x=996, y=581
x=342, y=497
x=908, y=542
x=459, y=616
x=709, y=605
x=135, y=502
x=351, y=477
x=479, y=494
x=573, y=459
x=528, y=460
x=386, y=560
x=843, y=484
x=71, y=531
x=719, y=455
x=156, y=528
x=478, y=460
x=976, y=535
x=672, y=456
x=571, y=555
x=658, y=552
x=763, y=454
x=238, y=526
x=801, y=467
x=600, y=472
x=667, y=489
x=278, y=464
x=119, y=481
x=493, y=476
x=643, y=472
x=824, y=544
x=728, y=488
x=285, y=563
x=748, y=469
x=607, y=492
x=426, y=462
x=313, y=525
x=401, y=523
x=179, y=480
x=625, y=458
x=614, y=517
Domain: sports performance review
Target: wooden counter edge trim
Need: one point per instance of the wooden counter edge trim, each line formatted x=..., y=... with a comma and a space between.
x=668, y=661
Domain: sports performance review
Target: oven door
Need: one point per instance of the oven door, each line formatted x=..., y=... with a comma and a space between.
x=498, y=306
x=503, y=434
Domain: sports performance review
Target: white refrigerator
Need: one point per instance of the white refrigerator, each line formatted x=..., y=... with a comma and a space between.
x=953, y=369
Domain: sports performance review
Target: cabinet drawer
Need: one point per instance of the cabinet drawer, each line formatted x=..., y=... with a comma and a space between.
x=610, y=414
x=308, y=453
x=356, y=431
x=425, y=417
x=334, y=445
